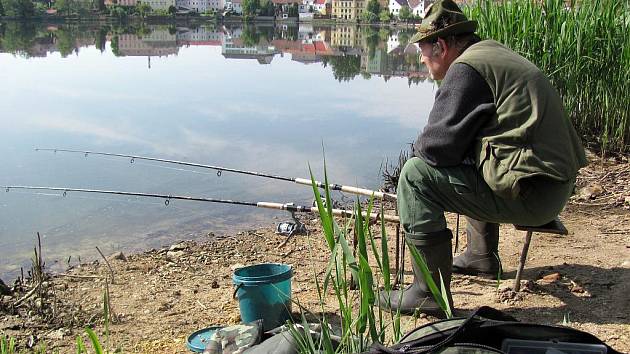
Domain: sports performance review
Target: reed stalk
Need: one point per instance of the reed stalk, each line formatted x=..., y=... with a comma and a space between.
x=583, y=47
x=361, y=321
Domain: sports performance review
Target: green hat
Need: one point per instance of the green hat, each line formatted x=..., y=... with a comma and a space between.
x=443, y=19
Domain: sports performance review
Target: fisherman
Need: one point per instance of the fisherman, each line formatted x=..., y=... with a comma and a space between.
x=498, y=148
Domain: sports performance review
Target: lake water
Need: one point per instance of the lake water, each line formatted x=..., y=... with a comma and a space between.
x=263, y=99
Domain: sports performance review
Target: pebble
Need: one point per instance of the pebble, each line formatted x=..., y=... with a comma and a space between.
x=178, y=247
x=551, y=278
x=173, y=256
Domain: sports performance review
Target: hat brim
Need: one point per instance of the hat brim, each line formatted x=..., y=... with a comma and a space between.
x=454, y=29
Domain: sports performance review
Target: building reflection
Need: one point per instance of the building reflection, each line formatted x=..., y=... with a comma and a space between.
x=349, y=50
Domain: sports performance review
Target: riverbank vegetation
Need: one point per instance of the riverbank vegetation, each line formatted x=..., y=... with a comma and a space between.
x=585, y=49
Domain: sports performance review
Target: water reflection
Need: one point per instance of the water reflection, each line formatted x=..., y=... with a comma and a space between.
x=349, y=50
x=254, y=98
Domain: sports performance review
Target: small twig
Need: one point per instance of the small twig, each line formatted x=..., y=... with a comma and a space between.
x=287, y=254
x=615, y=232
x=202, y=305
x=78, y=276
x=111, y=271
x=286, y=240
x=28, y=295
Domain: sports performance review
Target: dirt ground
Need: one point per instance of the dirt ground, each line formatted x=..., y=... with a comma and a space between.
x=161, y=296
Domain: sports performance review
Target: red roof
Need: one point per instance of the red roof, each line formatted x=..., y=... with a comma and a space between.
x=319, y=2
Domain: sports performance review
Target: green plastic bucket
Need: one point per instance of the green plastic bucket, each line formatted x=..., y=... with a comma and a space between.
x=264, y=292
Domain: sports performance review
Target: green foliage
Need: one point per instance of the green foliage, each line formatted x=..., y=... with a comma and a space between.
x=19, y=38
x=114, y=46
x=369, y=17
x=374, y=7
x=362, y=322
x=172, y=10
x=384, y=16
x=293, y=10
x=345, y=68
x=7, y=346
x=442, y=301
x=1, y=9
x=250, y=36
x=404, y=13
x=73, y=7
x=583, y=48
x=143, y=9
x=250, y=7
x=18, y=8
x=268, y=8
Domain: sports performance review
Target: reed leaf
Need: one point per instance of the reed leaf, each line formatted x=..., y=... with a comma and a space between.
x=98, y=349
x=426, y=275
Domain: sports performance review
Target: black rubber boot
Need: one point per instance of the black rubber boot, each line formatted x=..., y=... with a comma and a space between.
x=482, y=251
x=436, y=250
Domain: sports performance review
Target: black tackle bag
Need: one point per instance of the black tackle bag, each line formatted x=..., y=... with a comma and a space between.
x=489, y=331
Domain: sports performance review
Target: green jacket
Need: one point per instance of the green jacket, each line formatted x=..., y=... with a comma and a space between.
x=530, y=134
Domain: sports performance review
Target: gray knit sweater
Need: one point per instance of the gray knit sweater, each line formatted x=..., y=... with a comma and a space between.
x=463, y=104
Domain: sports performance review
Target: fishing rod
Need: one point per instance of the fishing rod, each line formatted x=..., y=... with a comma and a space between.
x=167, y=198
x=220, y=169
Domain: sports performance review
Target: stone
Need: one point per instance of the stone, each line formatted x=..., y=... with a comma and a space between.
x=117, y=256
x=173, y=256
x=551, y=278
x=178, y=247
x=4, y=289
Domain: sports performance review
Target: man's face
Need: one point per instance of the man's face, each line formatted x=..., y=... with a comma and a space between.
x=433, y=56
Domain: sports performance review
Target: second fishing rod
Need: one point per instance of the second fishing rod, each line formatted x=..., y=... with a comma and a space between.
x=220, y=169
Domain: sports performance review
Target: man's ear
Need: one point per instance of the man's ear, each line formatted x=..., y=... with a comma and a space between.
x=443, y=47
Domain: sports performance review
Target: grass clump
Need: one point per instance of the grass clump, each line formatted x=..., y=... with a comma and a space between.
x=354, y=285
x=583, y=46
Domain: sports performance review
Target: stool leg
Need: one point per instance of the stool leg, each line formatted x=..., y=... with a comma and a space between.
x=521, y=263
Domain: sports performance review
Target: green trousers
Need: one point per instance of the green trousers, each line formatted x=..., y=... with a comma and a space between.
x=426, y=192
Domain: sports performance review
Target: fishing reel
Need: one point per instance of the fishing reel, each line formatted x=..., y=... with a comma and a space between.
x=290, y=228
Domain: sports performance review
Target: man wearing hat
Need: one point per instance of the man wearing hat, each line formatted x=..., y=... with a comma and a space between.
x=498, y=148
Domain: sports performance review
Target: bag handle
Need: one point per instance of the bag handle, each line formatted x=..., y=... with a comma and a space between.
x=485, y=312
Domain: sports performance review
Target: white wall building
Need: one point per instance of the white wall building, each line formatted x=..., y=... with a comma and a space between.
x=418, y=7
x=395, y=6
x=159, y=4
x=234, y=5
x=201, y=6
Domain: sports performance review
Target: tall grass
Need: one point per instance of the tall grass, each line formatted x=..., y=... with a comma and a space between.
x=360, y=320
x=583, y=46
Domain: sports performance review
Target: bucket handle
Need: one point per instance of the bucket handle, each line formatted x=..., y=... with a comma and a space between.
x=236, y=290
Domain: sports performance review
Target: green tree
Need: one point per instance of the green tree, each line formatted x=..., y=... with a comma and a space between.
x=19, y=8
x=384, y=16
x=100, y=5
x=404, y=13
x=268, y=8
x=101, y=39
x=172, y=10
x=250, y=36
x=403, y=38
x=250, y=7
x=374, y=7
x=114, y=45
x=369, y=17
x=1, y=9
x=293, y=10
x=19, y=38
x=143, y=9
x=345, y=68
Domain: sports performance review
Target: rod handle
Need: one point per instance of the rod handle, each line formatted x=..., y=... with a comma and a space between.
x=350, y=189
